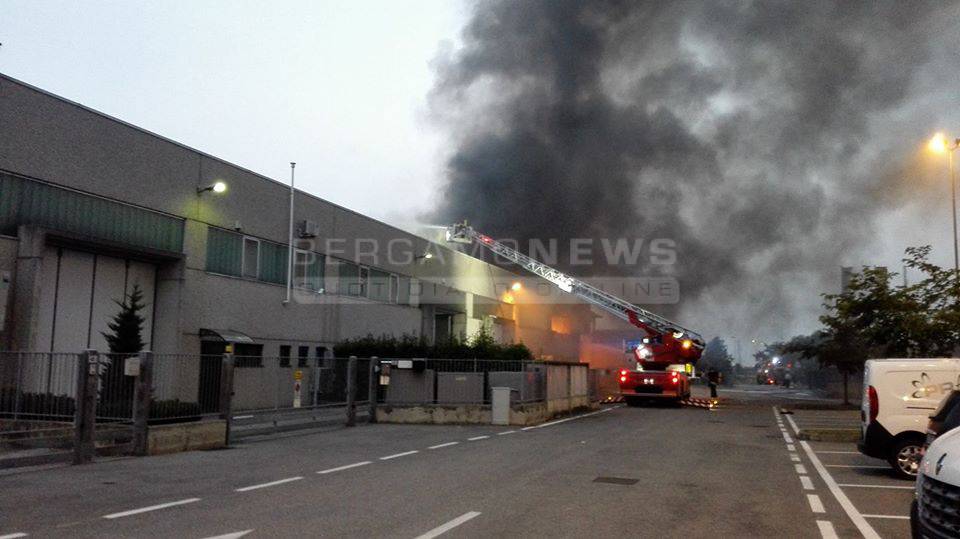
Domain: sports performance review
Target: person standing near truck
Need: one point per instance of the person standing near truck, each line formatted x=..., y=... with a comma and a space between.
x=713, y=379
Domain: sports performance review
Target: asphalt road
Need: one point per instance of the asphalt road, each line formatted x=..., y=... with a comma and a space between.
x=670, y=472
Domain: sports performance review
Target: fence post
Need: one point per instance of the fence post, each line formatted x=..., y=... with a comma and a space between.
x=373, y=386
x=352, y=391
x=226, y=393
x=88, y=374
x=570, y=388
x=143, y=396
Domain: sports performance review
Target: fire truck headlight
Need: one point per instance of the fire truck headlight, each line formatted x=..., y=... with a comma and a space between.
x=686, y=344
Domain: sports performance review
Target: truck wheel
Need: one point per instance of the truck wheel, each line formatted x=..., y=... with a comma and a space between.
x=905, y=457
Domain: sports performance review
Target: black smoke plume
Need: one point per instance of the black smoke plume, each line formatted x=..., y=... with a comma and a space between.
x=764, y=137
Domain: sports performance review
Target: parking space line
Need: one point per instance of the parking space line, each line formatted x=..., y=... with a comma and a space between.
x=858, y=520
x=864, y=466
x=837, y=452
x=270, y=484
x=800, y=468
x=815, y=504
x=438, y=446
x=150, y=508
x=894, y=487
x=397, y=455
x=475, y=438
x=826, y=529
x=444, y=528
x=895, y=517
x=346, y=467
x=806, y=482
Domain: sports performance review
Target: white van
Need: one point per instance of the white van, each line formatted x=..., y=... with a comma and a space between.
x=898, y=397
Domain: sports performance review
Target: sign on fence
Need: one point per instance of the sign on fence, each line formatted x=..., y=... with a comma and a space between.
x=131, y=366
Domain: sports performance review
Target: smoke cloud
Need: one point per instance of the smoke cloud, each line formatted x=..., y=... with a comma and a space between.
x=765, y=138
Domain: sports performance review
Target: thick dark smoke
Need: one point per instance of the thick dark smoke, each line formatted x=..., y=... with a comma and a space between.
x=747, y=132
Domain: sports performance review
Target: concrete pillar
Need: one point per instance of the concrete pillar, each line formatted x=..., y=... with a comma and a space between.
x=27, y=280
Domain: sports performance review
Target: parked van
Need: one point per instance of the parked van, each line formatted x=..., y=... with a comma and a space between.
x=898, y=397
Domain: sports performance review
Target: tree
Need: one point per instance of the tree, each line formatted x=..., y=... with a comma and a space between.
x=125, y=335
x=716, y=357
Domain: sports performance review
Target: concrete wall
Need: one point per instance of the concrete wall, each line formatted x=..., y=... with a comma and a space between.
x=163, y=439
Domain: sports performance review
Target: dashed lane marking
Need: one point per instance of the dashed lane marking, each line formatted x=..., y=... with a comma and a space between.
x=504, y=433
x=791, y=447
x=397, y=455
x=815, y=504
x=806, y=482
x=800, y=468
x=444, y=528
x=795, y=458
x=438, y=446
x=345, y=467
x=13, y=535
x=234, y=535
x=475, y=438
x=270, y=484
x=826, y=529
x=150, y=508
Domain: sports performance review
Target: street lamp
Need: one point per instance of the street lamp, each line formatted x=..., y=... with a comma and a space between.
x=940, y=144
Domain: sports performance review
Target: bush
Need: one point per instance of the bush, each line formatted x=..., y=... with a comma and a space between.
x=41, y=404
x=480, y=346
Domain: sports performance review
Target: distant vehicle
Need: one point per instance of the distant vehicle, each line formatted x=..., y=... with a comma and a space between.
x=898, y=397
x=933, y=512
x=945, y=418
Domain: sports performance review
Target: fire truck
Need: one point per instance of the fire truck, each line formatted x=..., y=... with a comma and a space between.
x=663, y=360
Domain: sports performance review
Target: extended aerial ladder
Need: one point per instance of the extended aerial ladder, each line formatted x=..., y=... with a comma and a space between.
x=669, y=342
x=664, y=356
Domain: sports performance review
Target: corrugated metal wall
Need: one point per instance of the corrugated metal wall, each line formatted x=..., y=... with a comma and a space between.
x=24, y=201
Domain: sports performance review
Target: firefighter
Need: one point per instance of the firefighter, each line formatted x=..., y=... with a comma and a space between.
x=713, y=378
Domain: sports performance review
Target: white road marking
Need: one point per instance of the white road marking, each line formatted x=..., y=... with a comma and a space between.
x=815, y=504
x=557, y=422
x=438, y=446
x=270, y=484
x=440, y=530
x=405, y=453
x=242, y=416
x=865, y=466
x=346, y=467
x=854, y=485
x=896, y=517
x=806, y=482
x=505, y=432
x=800, y=469
x=787, y=438
x=475, y=438
x=826, y=529
x=150, y=508
x=234, y=535
x=795, y=458
x=13, y=535
x=838, y=452
x=791, y=447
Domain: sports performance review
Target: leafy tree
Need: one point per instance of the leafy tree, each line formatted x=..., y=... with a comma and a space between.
x=716, y=357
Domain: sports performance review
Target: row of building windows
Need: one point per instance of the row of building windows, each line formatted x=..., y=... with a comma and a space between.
x=230, y=253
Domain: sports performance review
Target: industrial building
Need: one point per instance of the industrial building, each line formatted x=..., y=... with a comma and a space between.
x=91, y=206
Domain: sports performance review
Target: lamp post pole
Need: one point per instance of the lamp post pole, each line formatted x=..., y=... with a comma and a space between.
x=953, y=200
x=290, y=252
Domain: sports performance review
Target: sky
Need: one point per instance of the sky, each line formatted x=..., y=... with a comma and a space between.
x=774, y=142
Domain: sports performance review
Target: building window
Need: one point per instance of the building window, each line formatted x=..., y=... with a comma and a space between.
x=284, y=355
x=308, y=270
x=322, y=359
x=273, y=262
x=394, y=288
x=302, y=354
x=403, y=290
x=251, y=257
x=379, y=285
x=224, y=252
x=363, y=281
x=248, y=355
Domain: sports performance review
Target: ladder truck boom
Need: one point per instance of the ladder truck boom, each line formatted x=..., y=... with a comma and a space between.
x=669, y=342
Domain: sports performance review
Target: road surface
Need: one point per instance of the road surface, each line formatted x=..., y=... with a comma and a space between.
x=620, y=472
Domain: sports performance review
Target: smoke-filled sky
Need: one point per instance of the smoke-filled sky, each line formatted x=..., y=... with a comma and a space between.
x=772, y=141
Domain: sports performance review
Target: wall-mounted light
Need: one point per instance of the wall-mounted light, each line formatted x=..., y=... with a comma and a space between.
x=425, y=256
x=217, y=187
x=516, y=286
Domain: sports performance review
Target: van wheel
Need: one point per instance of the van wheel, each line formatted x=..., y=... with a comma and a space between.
x=905, y=457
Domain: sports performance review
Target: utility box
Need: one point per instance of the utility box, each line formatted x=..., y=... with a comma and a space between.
x=460, y=388
x=501, y=405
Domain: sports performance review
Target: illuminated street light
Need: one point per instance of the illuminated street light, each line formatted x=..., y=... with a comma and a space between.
x=516, y=286
x=939, y=144
x=218, y=187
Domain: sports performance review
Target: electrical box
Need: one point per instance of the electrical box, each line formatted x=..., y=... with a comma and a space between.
x=308, y=229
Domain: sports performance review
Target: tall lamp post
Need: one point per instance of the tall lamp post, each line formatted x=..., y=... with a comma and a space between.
x=940, y=144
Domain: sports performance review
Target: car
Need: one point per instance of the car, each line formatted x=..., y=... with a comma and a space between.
x=933, y=512
x=898, y=397
x=945, y=418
